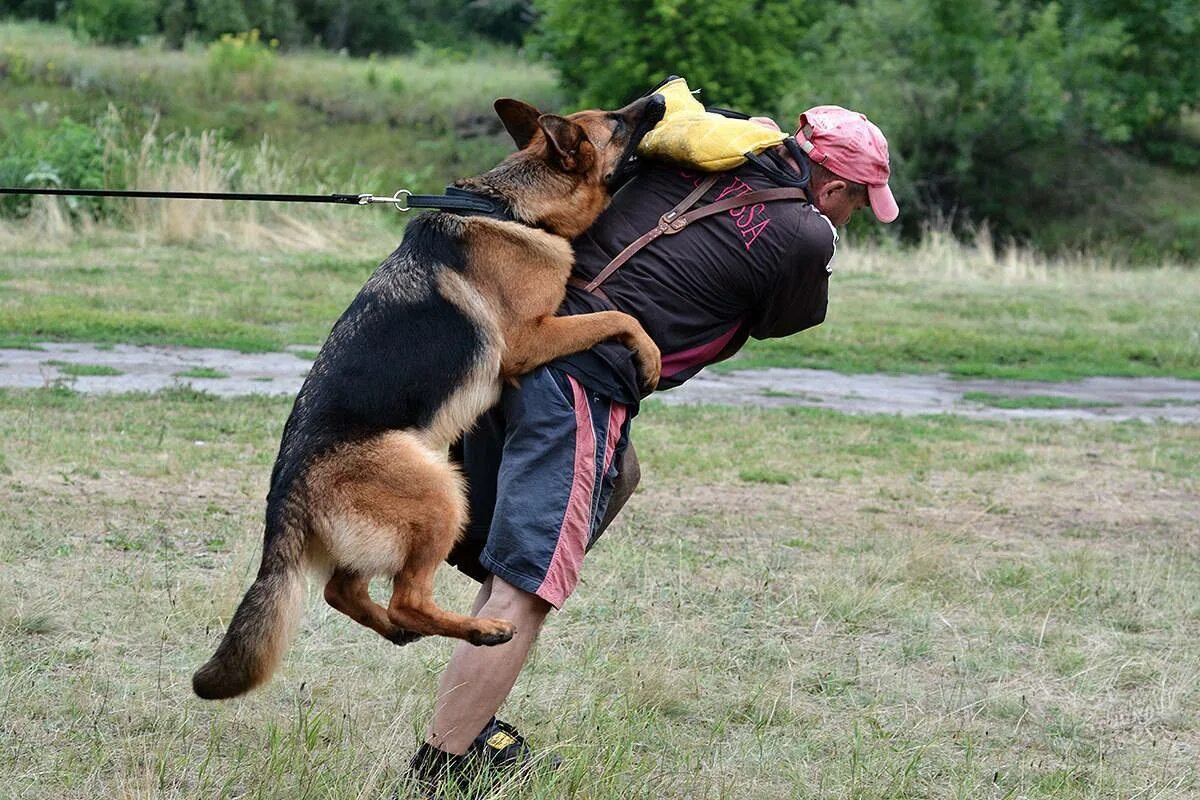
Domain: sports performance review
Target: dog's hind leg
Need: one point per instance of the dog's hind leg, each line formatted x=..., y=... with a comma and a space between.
x=396, y=508
x=431, y=533
x=413, y=608
x=348, y=593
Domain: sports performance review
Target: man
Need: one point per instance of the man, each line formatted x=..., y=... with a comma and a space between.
x=759, y=270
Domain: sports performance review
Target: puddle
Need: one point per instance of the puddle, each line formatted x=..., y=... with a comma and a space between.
x=149, y=369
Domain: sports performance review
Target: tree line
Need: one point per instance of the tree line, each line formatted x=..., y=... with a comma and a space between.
x=1023, y=113
x=360, y=27
x=1040, y=117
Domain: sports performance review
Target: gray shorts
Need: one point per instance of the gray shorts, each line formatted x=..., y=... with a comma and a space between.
x=540, y=468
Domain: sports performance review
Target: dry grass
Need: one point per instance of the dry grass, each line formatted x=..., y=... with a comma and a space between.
x=932, y=608
x=941, y=255
x=345, y=125
x=201, y=162
x=974, y=310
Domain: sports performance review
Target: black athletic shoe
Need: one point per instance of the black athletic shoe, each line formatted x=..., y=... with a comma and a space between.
x=432, y=771
x=498, y=754
x=499, y=746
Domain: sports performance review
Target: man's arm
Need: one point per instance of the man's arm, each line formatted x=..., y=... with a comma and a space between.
x=793, y=294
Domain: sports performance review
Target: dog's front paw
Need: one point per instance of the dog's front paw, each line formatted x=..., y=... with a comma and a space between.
x=491, y=632
x=649, y=362
x=403, y=637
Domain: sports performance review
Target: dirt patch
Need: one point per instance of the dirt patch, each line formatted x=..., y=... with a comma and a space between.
x=149, y=369
x=1112, y=399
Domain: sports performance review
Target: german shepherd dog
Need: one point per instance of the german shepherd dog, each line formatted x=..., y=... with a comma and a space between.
x=362, y=486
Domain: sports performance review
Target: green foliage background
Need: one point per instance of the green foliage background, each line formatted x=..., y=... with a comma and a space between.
x=1013, y=112
x=1065, y=124
x=358, y=26
x=742, y=54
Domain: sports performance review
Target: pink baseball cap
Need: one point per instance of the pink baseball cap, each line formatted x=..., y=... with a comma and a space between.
x=852, y=147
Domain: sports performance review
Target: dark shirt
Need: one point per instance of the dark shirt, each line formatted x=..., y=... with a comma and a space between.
x=760, y=270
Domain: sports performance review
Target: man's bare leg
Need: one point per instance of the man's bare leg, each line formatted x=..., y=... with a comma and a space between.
x=478, y=679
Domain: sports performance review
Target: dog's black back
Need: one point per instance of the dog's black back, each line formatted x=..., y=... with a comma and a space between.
x=390, y=360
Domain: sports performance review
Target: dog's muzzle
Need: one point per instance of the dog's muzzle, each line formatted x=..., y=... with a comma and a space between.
x=652, y=109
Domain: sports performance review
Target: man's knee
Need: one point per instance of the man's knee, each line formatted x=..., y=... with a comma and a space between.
x=629, y=472
x=509, y=602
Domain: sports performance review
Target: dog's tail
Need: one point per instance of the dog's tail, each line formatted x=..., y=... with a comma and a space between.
x=263, y=624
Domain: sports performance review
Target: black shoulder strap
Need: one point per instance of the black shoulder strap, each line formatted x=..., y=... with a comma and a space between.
x=776, y=169
x=725, y=112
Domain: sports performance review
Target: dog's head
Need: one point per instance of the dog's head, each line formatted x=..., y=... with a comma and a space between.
x=570, y=164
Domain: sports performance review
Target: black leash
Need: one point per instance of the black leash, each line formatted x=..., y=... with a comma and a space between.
x=455, y=199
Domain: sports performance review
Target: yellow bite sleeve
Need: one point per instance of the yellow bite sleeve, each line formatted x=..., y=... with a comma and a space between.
x=690, y=136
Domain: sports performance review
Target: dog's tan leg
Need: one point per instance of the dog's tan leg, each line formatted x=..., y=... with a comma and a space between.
x=399, y=509
x=348, y=593
x=552, y=337
x=412, y=604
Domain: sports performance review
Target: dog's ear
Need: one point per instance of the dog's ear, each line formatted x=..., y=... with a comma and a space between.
x=520, y=119
x=563, y=139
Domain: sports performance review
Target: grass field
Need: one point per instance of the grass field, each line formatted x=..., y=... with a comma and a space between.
x=795, y=605
x=193, y=276
x=971, y=312
x=378, y=124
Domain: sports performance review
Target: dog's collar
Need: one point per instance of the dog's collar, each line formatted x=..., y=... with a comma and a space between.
x=466, y=202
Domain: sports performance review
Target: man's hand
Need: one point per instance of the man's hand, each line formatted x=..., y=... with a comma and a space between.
x=766, y=122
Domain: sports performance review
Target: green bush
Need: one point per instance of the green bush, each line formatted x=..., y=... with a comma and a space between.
x=68, y=155
x=360, y=26
x=1005, y=111
x=741, y=54
x=502, y=20
x=210, y=19
x=999, y=111
x=241, y=53
x=14, y=169
x=276, y=19
x=1154, y=72
x=45, y=10
x=177, y=19
x=241, y=62
x=15, y=67
x=215, y=18
x=115, y=21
